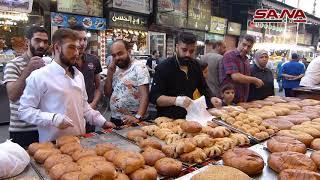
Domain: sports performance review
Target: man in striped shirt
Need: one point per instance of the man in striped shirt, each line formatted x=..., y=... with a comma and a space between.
x=15, y=74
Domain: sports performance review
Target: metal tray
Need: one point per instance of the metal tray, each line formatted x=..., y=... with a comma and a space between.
x=28, y=173
x=40, y=170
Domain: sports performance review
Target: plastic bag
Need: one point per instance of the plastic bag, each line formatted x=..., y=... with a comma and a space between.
x=13, y=159
x=197, y=111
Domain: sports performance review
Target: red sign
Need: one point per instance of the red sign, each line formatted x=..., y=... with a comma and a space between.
x=272, y=16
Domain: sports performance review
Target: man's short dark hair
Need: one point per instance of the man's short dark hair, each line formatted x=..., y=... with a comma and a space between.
x=203, y=65
x=186, y=38
x=34, y=29
x=78, y=28
x=64, y=33
x=226, y=87
x=216, y=44
x=125, y=43
x=247, y=37
x=154, y=52
x=294, y=56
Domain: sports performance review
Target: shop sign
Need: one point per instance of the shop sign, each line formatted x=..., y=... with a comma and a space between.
x=213, y=37
x=199, y=14
x=269, y=26
x=141, y=6
x=83, y=7
x=172, y=13
x=272, y=16
x=234, y=28
x=24, y=6
x=218, y=25
x=67, y=20
x=124, y=20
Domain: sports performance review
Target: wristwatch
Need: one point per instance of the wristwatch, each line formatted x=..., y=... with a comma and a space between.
x=138, y=116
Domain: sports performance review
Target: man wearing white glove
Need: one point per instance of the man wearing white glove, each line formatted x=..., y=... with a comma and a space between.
x=55, y=97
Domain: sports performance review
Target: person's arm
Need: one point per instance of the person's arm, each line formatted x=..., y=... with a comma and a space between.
x=244, y=79
x=97, y=92
x=108, y=81
x=144, y=101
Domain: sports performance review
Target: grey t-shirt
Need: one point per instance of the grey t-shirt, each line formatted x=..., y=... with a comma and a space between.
x=213, y=60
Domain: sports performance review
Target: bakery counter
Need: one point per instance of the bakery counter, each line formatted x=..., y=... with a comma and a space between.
x=29, y=173
x=307, y=92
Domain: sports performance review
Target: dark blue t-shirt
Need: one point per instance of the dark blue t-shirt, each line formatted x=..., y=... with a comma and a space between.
x=294, y=68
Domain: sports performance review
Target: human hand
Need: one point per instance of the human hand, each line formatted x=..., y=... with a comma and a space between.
x=62, y=121
x=183, y=101
x=127, y=119
x=112, y=67
x=217, y=103
x=93, y=105
x=108, y=125
x=35, y=62
x=259, y=83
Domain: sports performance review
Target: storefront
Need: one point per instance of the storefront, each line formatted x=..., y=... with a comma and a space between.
x=233, y=32
x=217, y=29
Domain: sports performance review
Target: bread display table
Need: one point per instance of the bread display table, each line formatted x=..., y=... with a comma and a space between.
x=307, y=92
x=29, y=173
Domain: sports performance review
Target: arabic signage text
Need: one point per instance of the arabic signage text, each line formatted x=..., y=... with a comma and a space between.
x=172, y=13
x=234, y=28
x=218, y=25
x=16, y=6
x=141, y=6
x=199, y=14
x=83, y=7
x=124, y=20
x=67, y=20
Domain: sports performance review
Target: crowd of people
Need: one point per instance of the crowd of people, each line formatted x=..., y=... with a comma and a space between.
x=48, y=100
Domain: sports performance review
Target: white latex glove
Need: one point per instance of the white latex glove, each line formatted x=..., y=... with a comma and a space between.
x=183, y=101
x=62, y=121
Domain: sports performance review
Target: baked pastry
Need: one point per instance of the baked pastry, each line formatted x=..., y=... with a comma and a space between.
x=151, y=156
x=83, y=153
x=42, y=154
x=168, y=125
x=191, y=127
x=185, y=145
x=36, y=146
x=150, y=129
x=137, y=135
x=88, y=159
x=161, y=120
x=284, y=143
x=243, y=159
x=121, y=176
x=213, y=151
x=221, y=172
x=225, y=143
x=145, y=143
x=297, y=174
x=276, y=99
x=312, y=124
x=280, y=161
x=56, y=159
x=219, y=132
x=170, y=150
x=101, y=149
x=111, y=155
x=295, y=119
x=144, y=173
x=70, y=148
x=279, y=123
x=162, y=133
x=315, y=156
x=290, y=106
x=129, y=161
x=168, y=167
x=247, y=105
x=307, y=129
x=315, y=144
x=261, y=135
x=66, y=139
x=300, y=136
x=57, y=171
x=203, y=140
x=264, y=103
x=197, y=156
x=99, y=170
x=240, y=139
x=178, y=122
x=75, y=175
x=172, y=138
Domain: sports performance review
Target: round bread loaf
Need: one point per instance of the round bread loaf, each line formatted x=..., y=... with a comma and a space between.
x=128, y=161
x=83, y=153
x=151, y=156
x=111, y=155
x=279, y=123
x=42, y=154
x=280, y=161
x=295, y=119
x=88, y=159
x=297, y=174
x=36, y=146
x=71, y=175
x=244, y=159
x=168, y=167
x=57, y=171
x=145, y=143
x=300, y=136
x=70, y=148
x=315, y=144
x=284, y=143
x=99, y=170
x=137, y=135
x=221, y=172
x=121, y=176
x=56, y=159
x=144, y=173
x=307, y=129
x=101, y=149
x=315, y=156
x=191, y=127
x=66, y=139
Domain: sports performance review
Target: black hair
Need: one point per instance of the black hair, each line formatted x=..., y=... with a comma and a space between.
x=226, y=87
x=125, y=43
x=34, y=29
x=248, y=38
x=294, y=56
x=187, y=38
x=203, y=65
x=154, y=52
x=78, y=28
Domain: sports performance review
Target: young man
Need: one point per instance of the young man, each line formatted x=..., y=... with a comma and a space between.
x=177, y=78
x=214, y=55
x=90, y=67
x=235, y=68
x=15, y=75
x=55, y=97
x=128, y=85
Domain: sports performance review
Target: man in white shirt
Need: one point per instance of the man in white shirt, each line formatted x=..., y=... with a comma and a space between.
x=312, y=75
x=55, y=97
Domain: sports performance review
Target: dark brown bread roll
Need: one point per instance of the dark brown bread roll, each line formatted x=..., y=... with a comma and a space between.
x=151, y=156
x=315, y=144
x=191, y=127
x=149, y=143
x=168, y=167
x=144, y=173
x=128, y=161
x=315, y=156
x=296, y=174
x=101, y=149
x=284, y=143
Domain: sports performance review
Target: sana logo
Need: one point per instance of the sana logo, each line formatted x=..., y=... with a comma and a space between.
x=272, y=16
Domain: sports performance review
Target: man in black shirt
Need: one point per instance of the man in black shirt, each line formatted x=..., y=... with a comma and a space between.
x=177, y=78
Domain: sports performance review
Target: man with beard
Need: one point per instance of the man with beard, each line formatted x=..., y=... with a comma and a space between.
x=55, y=97
x=15, y=74
x=177, y=78
x=90, y=67
x=128, y=85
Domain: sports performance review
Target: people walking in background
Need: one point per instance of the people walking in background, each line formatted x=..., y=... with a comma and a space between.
x=312, y=75
x=259, y=70
x=152, y=62
x=278, y=73
x=292, y=72
x=213, y=56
